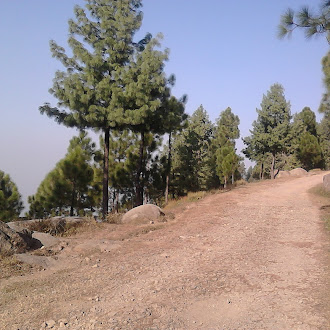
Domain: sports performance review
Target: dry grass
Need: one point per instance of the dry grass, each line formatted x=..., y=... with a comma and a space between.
x=323, y=198
x=114, y=218
x=10, y=266
x=199, y=195
x=191, y=197
x=61, y=227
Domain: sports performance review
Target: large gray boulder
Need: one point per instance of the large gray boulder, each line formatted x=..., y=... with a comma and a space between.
x=143, y=214
x=12, y=241
x=326, y=182
x=45, y=239
x=298, y=172
x=283, y=174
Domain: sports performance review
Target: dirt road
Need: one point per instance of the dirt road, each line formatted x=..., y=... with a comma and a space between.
x=256, y=257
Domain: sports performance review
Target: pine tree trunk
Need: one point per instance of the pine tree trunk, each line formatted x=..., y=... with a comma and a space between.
x=117, y=201
x=105, y=198
x=261, y=176
x=139, y=174
x=169, y=160
x=225, y=184
x=272, y=169
x=72, y=199
x=232, y=178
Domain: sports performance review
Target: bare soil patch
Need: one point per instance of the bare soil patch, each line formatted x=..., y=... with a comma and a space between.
x=256, y=257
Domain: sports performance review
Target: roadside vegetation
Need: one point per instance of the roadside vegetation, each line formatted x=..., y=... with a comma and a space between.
x=323, y=198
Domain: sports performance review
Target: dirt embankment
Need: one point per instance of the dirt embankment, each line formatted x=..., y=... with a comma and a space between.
x=256, y=257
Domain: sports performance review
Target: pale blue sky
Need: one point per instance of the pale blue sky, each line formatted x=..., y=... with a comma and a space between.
x=223, y=53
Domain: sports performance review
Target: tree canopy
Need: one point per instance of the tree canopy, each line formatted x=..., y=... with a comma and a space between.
x=65, y=189
x=223, y=144
x=10, y=199
x=271, y=129
x=111, y=81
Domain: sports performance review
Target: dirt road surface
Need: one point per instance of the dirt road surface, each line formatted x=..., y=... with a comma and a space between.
x=256, y=257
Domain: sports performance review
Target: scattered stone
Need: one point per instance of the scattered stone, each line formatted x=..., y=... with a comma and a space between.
x=326, y=182
x=95, y=266
x=143, y=214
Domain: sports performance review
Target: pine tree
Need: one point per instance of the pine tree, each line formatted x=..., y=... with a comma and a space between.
x=10, y=199
x=309, y=151
x=191, y=164
x=65, y=188
x=304, y=149
x=324, y=127
x=175, y=121
x=270, y=131
x=227, y=162
x=109, y=79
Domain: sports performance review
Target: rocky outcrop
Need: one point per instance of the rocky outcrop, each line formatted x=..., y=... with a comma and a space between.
x=45, y=239
x=298, y=172
x=283, y=174
x=143, y=214
x=12, y=241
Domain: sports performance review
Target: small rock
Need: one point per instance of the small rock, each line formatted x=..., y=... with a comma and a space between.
x=50, y=324
x=63, y=323
x=87, y=259
x=95, y=266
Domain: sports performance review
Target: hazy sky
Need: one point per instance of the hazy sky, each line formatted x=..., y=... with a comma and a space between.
x=223, y=53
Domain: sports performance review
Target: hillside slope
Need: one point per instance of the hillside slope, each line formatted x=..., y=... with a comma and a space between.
x=256, y=257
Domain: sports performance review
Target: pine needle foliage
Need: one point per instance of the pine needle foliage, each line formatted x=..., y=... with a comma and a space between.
x=10, y=199
x=110, y=81
x=312, y=24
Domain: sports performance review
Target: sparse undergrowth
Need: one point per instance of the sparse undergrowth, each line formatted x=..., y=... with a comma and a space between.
x=199, y=195
x=10, y=266
x=324, y=198
x=62, y=228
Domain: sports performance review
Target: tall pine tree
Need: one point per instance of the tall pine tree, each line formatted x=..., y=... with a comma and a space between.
x=191, y=163
x=271, y=129
x=109, y=78
x=226, y=132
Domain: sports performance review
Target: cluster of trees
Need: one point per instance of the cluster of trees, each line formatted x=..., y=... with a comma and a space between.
x=277, y=142
x=112, y=83
x=190, y=160
x=117, y=87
